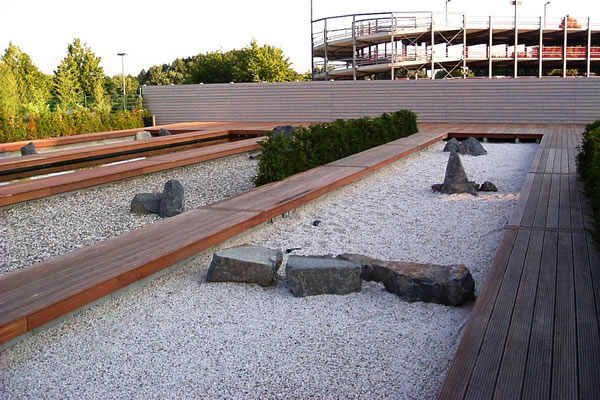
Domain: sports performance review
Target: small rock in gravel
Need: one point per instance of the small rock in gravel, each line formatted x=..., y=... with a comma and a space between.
x=452, y=145
x=28, y=149
x=173, y=199
x=254, y=155
x=488, y=186
x=437, y=187
x=316, y=222
x=164, y=132
x=456, y=180
x=315, y=275
x=143, y=135
x=288, y=251
x=146, y=203
x=245, y=263
x=472, y=146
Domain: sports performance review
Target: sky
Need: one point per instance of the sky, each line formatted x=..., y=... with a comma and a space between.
x=155, y=32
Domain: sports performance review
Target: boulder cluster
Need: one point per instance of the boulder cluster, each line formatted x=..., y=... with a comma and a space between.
x=450, y=285
x=169, y=203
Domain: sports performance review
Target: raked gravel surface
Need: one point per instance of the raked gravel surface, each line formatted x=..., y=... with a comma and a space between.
x=180, y=337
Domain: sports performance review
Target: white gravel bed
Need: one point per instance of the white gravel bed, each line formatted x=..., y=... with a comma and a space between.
x=37, y=230
x=180, y=337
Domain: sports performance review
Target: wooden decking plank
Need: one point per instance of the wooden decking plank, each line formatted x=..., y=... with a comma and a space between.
x=541, y=212
x=519, y=210
x=554, y=203
x=512, y=370
x=550, y=162
x=541, y=165
x=586, y=208
x=594, y=258
x=538, y=374
x=588, y=334
x=564, y=214
x=575, y=203
x=380, y=155
x=564, y=360
x=485, y=373
x=457, y=381
x=532, y=199
x=564, y=161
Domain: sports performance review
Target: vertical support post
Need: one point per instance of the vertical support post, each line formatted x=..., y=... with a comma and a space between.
x=464, y=66
x=589, y=48
x=393, y=52
x=354, y=47
x=432, y=51
x=490, y=45
x=326, y=63
x=566, y=23
x=541, y=45
x=516, y=55
x=312, y=45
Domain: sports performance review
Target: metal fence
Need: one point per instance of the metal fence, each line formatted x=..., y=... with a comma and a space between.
x=551, y=100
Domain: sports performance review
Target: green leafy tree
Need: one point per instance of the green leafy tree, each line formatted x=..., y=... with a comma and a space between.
x=212, y=67
x=33, y=87
x=67, y=89
x=263, y=64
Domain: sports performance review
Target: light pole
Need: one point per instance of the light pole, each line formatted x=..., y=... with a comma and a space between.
x=516, y=3
x=447, y=1
x=545, y=5
x=122, y=55
x=312, y=44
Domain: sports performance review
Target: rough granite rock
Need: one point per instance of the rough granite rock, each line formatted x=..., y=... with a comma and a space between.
x=452, y=145
x=146, y=203
x=488, y=186
x=245, y=263
x=173, y=199
x=472, y=146
x=285, y=130
x=143, y=135
x=437, y=187
x=456, y=180
x=315, y=275
x=28, y=149
x=164, y=132
x=450, y=285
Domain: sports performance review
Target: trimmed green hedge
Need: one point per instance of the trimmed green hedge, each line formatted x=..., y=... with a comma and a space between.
x=54, y=124
x=588, y=168
x=283, y=156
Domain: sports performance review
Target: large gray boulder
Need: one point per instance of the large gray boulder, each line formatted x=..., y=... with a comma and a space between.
x=472, y=146
x=450, y=285
x=164, y=132
x=452, y=145
x=173, y=199
x=28, y=149
x=488, y=186
x=456, y=180
x=143, y=135
x=315, y=275
x=146, y=203
x=246, y=263
x=285, y=130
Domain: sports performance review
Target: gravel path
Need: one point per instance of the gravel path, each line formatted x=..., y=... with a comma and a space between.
x=41, y=229
x=180, y=337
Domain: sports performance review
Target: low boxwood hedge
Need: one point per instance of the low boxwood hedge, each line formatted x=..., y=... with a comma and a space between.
x=283, y=156
x=588, y=169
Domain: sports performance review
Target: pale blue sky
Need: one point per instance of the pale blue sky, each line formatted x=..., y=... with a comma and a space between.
x=155, y=32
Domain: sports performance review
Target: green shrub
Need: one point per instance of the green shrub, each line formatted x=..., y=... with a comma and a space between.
x=320, y=144
x=66, y=123
x=588, y=168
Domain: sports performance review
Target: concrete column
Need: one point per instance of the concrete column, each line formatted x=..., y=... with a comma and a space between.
x=516, y=55
x=326, y=63
x=589, y=48
x=354, y=47
x=541, y=46
x=432, y=50
x=566, y=23
x=464, y=45
x=490, y=44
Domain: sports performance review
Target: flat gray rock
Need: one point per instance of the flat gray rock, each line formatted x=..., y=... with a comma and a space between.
x=28, y=149
x=143, y=135
x=164, y=132
x=173, y=199
x=246, y=263
x=472, y=146
x=146, y=203
x=456, y=180
x=450, y=285
x=315, y=275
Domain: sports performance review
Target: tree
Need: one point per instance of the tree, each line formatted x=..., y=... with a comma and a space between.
x=213, y=67
x=263, y=64
x=67, y=89
x=33, y=87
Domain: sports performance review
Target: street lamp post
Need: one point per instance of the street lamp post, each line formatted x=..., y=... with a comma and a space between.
x=122, y=55
x=545, y=5
x=447, y=1
x=516, y=3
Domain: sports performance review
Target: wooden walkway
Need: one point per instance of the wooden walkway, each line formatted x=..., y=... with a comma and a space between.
x=31, y=297
x=534, y=331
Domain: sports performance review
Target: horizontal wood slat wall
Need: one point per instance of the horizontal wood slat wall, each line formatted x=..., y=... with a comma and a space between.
x=570, y=100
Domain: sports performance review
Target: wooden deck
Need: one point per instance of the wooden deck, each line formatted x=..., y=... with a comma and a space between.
x=43, y=292
x=534, y=331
